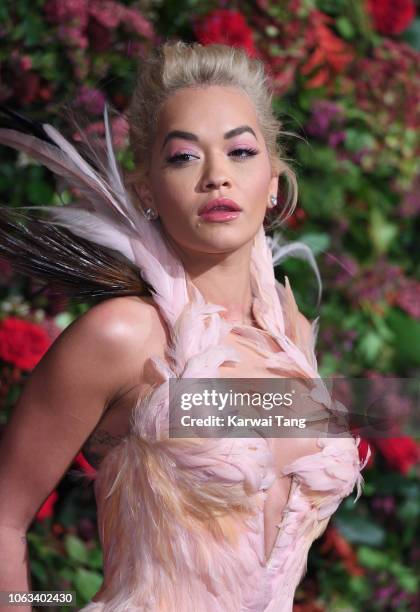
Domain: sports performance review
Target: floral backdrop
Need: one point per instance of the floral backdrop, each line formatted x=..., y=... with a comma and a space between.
x=347, y=88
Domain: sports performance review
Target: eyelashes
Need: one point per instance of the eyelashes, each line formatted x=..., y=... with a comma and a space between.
x=180, y=158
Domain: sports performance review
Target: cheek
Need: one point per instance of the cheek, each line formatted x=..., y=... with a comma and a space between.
x=170, y=196
x=258, y=184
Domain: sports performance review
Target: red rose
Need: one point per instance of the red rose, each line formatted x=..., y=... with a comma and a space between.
x=227, y=27
x=400, y=453
x=22, y=343
x=47, y=508
x=391, y=16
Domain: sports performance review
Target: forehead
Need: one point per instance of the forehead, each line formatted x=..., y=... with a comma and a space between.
x=214, y=106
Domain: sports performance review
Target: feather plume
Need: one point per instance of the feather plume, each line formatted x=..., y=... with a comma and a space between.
x=17, y=121
x=281, y=250
x=67, y=263
x=106, y=215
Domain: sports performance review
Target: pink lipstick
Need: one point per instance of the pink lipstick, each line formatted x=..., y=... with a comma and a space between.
x=220, y=210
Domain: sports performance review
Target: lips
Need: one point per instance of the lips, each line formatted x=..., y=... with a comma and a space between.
x=219, y=204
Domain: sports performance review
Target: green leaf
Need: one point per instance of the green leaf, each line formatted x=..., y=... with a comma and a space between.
x=345, y=27
x=39, y=192
x=95, y=558
x=38, y=570
x=360, y=530
x=317, y=242
x=360, y=586
x=373, y=559
x=317, y=156
x=358, y=139
x=87, y=583
x=328, y=365
x=405, y=576
x=381, y=231
x=76, y=548
x=370, y=346
x=407, y=336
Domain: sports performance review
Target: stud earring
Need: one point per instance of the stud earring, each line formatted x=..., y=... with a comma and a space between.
x=150, y=214
x=273, y=201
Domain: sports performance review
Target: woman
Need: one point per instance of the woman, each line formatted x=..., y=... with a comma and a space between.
x=193, y=524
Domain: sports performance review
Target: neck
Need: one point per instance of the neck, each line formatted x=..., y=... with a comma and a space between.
x=223, y=279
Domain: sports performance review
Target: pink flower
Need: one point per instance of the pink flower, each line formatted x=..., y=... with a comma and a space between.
x=408, y=298
x=92, y=100
x=25, y=62
x=63, y=11
x=73, y=36
x=107, y=12
x=135, y=21
x=119, y=129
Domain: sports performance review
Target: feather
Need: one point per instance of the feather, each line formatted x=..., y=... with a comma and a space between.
x=68, y=264
x=86, y=172
x=25, y=124
x=60, y=163
x=281, y=250
x=114, y=174
x=114, y=221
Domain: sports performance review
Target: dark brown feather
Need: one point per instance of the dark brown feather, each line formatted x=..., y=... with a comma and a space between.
x=67, y=263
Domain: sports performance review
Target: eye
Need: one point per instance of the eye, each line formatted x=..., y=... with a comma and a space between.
x=249, y=153
x=179, y=158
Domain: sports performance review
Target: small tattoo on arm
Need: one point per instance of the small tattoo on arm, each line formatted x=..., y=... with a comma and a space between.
x=100, y=438
x=103, y=437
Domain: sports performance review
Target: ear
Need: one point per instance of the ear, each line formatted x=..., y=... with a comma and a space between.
x=142, y=189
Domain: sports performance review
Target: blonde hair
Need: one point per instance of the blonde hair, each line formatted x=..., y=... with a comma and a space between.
x=175, y=65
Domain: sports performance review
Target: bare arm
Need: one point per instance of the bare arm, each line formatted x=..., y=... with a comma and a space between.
x=60, y=405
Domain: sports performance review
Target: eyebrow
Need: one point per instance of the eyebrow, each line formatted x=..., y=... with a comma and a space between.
x=190, y=136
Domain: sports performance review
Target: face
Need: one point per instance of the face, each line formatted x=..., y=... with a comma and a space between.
x=208, y=146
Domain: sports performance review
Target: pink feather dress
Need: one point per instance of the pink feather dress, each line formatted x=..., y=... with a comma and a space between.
x=181, y=520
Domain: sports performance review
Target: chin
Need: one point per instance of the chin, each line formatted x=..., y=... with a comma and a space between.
x=215, y=237
x=222, y=242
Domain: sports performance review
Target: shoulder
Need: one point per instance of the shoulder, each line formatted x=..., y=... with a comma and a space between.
x=105, y=350
x=109, y=344
x=126, y=321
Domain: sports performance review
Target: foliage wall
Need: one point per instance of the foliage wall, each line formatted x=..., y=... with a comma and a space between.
x=346, y=82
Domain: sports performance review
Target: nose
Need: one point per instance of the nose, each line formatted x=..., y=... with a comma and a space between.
x=215, y=177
